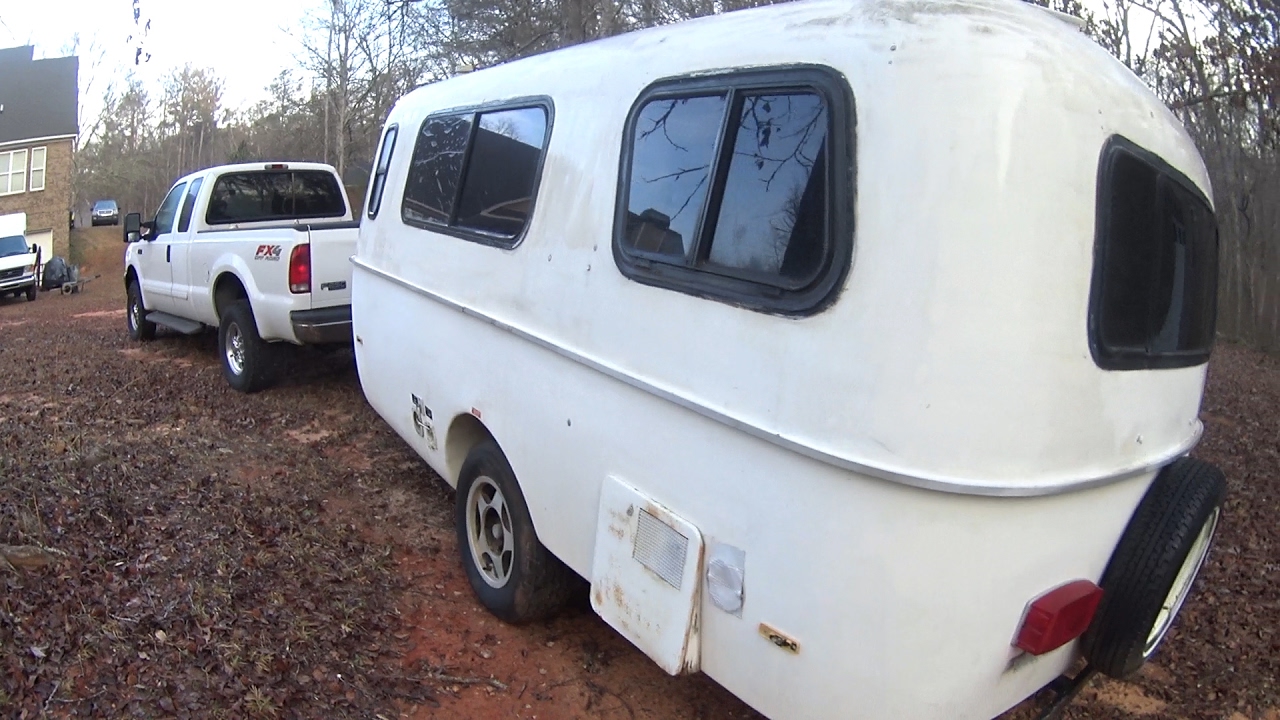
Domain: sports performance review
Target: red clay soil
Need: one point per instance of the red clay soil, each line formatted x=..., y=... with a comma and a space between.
x=285, y=555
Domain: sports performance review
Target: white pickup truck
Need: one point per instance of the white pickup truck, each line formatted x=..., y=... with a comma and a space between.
x=260, y=251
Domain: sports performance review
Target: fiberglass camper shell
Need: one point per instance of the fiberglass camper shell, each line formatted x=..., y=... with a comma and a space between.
x=845, y=348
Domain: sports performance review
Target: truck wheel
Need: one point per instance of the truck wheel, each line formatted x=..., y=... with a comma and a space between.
x=140, y=328
x=31, y=294
x=510, y=570
x=248, y=362
x=1154, y=566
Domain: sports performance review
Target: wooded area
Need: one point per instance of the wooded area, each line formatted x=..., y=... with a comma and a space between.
x=1216, y=63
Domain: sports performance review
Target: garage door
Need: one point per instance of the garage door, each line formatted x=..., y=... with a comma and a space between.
x=45, y=241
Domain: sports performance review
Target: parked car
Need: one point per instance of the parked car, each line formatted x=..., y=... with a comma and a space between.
x=19, y=261
x=852, y=351
x=259, y=251
x=105, y=212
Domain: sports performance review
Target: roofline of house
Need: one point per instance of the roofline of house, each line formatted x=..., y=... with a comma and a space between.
x=35, y=141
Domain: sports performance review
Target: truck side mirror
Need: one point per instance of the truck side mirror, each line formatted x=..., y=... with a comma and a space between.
x=132, y=227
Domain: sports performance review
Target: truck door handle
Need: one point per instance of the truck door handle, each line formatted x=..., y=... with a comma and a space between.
x=168, y=253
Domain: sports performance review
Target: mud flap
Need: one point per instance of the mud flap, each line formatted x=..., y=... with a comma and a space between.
x=645, y=576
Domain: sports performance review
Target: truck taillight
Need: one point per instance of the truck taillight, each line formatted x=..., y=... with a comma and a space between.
x=1058, y=617
x=300, y=269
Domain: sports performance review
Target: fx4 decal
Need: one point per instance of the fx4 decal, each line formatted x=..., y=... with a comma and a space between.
x=268, y=252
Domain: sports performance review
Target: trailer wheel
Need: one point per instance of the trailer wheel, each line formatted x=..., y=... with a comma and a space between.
x=1154, y=566
x=249, y=363
x=140, y=328
x=510, y=570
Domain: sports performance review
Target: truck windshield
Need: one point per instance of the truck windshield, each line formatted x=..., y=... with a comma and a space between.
x=275, y=195
x=13, y=245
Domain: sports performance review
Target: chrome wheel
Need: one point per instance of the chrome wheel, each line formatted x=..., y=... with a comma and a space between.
x=1182, y=584
x=489, y=534
x=235, y=349
x=135, y=312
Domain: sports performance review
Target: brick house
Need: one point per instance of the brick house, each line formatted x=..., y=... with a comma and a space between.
x=38, y=129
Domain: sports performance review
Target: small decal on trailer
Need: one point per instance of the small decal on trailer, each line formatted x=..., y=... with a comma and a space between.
x=268, y=252
x=422, y=421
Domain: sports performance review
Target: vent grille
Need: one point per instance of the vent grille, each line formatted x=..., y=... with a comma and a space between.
x=660, y=548
x=12, y=273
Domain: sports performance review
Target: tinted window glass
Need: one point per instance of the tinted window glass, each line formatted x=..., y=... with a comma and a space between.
x=184, y=221
x=380, y=171
x=273, y=195
x=502, y=171
x=169, y=210
x=435, y=168
x=772, y=215
x=1158, y=250
x=673, y=147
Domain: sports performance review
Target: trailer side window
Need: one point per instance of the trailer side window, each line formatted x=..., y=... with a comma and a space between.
x=738, y=188
x=380, y=170
x=1154, y=297
x=474, y=174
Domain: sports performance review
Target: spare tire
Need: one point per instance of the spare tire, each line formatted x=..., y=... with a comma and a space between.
x=1154, y=565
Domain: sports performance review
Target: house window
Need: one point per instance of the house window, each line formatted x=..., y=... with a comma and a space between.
x=1154, y=298
x=37, y=168
x=13, y=172
x=475, y=174
x=737, y=188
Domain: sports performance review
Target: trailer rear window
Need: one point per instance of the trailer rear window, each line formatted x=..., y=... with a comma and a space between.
x=738, y=188
x=262, y=196
x=1154, y=297
x=474, y=174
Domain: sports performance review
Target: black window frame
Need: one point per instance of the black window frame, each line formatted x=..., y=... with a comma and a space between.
x=752, y=290
x=381, y=167
x=465, y=233
x=1104, y=356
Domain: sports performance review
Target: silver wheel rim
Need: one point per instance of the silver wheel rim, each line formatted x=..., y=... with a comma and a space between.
x=235, y=348
x=489, y=532
x=1182, y=584
x=135, y=313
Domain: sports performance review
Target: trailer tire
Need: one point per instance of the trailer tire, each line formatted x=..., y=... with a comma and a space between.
x=1154, y=566
x=511, y=571
x=135, y=315
x=249, y=363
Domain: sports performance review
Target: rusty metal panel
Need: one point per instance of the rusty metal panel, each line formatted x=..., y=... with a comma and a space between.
x=645, y=576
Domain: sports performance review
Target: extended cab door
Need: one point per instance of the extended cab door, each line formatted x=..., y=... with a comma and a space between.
x=180, y=250
x=154, y=256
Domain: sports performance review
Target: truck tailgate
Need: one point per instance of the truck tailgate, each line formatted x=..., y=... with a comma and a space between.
x=332, y=245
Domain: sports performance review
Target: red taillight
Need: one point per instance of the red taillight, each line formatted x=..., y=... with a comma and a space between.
x=1058, y=617
x=300, y=269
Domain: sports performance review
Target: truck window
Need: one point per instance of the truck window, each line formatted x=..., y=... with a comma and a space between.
x=262, y=196
x=184, y=220
x=169, y=209
x=475, y=174
x=731, y=188
x=1154, y=297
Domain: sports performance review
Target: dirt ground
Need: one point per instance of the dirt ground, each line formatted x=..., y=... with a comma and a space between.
x=285, y=555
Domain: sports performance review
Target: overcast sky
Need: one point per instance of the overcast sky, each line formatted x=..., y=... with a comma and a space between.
x=246, y=42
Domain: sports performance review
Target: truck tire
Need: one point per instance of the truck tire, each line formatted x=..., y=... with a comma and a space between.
x=1154, y=566
x=135, y=315
x=31, y=293
x=249, y=363
x=510, y=570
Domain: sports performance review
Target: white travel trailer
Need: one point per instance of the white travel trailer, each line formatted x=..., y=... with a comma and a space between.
x=850, y=350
